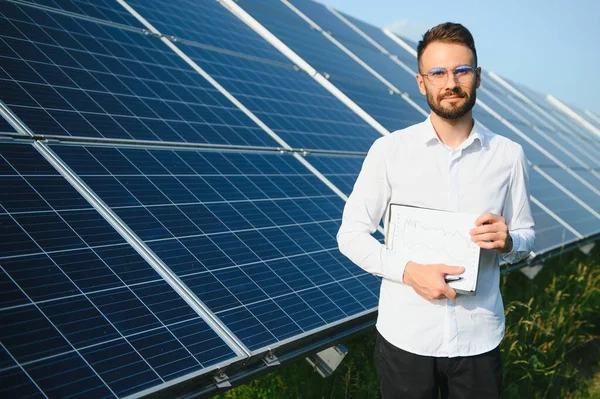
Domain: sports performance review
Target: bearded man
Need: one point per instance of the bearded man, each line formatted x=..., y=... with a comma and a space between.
x=430, y=341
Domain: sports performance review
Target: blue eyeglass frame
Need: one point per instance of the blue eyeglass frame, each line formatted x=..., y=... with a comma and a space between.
x=466, y=68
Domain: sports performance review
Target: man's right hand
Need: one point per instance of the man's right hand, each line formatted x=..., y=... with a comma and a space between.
x=428, y=280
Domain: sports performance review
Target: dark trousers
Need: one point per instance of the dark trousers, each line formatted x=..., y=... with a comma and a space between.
x=406, y=375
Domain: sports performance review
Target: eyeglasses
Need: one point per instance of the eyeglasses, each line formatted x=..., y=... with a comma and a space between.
x=438, y=77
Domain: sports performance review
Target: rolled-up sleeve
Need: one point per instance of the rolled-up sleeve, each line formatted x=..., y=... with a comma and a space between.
x=517, y=211
x=362, y=215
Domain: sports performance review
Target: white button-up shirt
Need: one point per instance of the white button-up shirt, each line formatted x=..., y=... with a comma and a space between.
x=486, y=173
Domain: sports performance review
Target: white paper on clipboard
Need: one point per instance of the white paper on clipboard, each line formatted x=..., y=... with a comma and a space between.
x=430, y=236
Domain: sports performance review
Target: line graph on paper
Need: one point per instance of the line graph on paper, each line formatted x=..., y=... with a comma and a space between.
x=429, y=236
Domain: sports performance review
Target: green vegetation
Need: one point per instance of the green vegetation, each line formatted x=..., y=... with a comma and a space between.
x=551, y=348
x=552, y=342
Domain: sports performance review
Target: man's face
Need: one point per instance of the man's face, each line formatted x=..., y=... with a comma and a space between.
x=454, y=99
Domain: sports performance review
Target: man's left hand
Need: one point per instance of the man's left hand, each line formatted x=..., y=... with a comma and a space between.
x=491, y=232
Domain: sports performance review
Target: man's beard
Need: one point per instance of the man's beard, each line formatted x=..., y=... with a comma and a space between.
x=451, y=111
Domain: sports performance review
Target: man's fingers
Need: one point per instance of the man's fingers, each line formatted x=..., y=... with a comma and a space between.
x=491, y=245
x=486, y=228
x=485, y=218
x=452, y=269
x=449, y=292
x=488, y=218
x=486, y=237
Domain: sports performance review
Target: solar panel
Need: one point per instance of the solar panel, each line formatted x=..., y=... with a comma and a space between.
x=377, y=60
x=296, y=33
x=556, y=143
x=558, y=119
x=357, y=83
x=82, y=313
x=238, y=237
x=69, y=76
x=569, y=140
x=579, y=189
x=249, y=233
x=295, y=106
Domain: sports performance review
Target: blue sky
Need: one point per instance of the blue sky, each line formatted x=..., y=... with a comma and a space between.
x=552, y=46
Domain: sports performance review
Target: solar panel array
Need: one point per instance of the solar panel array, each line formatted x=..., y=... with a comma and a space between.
x=172, y=184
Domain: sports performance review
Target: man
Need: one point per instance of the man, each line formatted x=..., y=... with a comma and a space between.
x=429, y=339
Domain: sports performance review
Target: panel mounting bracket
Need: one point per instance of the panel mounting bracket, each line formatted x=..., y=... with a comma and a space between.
x=221, y=380
x=271, y=360
x=327, y=361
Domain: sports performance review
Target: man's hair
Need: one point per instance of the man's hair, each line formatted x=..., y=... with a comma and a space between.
x=448, y=32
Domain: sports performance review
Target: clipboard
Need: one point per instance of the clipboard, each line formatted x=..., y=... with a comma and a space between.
x=428, y=235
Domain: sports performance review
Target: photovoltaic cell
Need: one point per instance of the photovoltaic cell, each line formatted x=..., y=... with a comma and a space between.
x=71, y=77
x=536, y=156
x=82, y=313
x=390, y=110
x=291, y=103
x=249, y=233
x=5, y=127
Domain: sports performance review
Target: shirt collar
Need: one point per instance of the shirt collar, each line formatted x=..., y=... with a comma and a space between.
x=430, y=136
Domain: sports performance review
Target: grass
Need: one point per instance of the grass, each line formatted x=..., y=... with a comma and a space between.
x=551, y=348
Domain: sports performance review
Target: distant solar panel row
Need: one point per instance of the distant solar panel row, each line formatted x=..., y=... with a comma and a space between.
x=246, y=235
